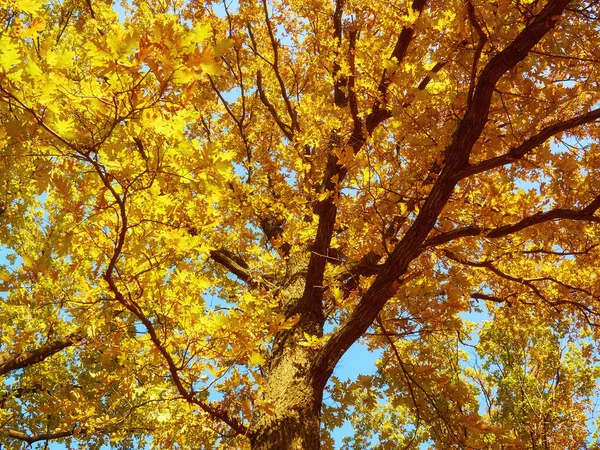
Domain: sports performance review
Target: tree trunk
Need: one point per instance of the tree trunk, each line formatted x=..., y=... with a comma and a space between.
x=294, y=418
x=297, y=429
x=294, y=421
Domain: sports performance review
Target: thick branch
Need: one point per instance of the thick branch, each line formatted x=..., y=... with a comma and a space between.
x=530, y=144
x=425, y=81
x=456, y=158
x=379, y=112
x=238, y=267
x=232, y=262
x=30, y=439
x=366, y=267
x=352, y=100
x=586, y=214
x=285, y=128
x=396, y=223
x=491, y=298
x=8, y=362
x=474, y=121
x=336, y=172
x=340, y=82
x=480, y=44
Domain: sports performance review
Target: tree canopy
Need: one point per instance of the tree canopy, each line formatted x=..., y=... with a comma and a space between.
x=205, y=204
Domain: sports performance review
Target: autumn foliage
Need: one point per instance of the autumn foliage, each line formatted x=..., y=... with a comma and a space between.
x=204, y=204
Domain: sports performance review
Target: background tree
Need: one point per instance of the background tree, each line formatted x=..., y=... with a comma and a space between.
x=206, y=204
x=542, y=376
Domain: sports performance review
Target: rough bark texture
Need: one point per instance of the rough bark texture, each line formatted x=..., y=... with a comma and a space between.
x=296, y=403
x=9, y=362
x=295, y=422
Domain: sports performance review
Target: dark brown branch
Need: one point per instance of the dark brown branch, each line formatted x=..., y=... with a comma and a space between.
x=285, y=128
x=135, y=309
x=339, y=82
x=89, y=5
x=215, y=411
x=9, y=362
x=565, y=253
x=491, y=298
x=353, y=102
x=530, y=284
x=232, y=262
x=20, y=392
x=568, y=287
x=65, y=17
x=480, y=44
x=30, y=439
x=526, y=281
x=367, y=266
x=472, y=124
x=394, y=226
x=530, y=144
x=238, y=267
x=410, y=381
x=586, y=214
x=423, y=84
x=379, y=111
x=336, y=172
x=35, y=356
x=568, y=57
x=407, y=377
x=39, y=120
x=275, y=65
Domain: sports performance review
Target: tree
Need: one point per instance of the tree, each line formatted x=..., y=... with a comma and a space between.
x=206, y=204
x=542, y=377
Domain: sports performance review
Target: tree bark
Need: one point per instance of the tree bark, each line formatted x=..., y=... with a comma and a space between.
x=289, y=434
x=296, y=426
x=294, y=419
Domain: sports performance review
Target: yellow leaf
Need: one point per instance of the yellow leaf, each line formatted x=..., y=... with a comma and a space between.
x=183, y=76
x=163, y=416
x=256, y=359
x=9, y=53
x=211, y=69
x=30, y=6
x=222, y=47
x=36, y=26
x=200, y=33
x=28, y=261
x=60, y=59
x=247, y=408
x=65, y=128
